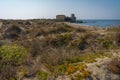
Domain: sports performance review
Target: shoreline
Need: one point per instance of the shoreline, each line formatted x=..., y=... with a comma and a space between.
x=91, y=29
x=103, y=23
x=84, y=27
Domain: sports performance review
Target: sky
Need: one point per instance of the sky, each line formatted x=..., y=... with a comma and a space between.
x=83, y=9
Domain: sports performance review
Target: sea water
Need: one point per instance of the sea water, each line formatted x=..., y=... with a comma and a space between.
x=100, y=23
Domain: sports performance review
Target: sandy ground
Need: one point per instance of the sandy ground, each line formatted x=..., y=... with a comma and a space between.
x=92, y=29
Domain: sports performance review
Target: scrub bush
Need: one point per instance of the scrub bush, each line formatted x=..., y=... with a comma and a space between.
x=11, y=57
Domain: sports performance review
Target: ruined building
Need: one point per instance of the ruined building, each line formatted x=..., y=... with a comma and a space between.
x=63, y=18
x=73, y=18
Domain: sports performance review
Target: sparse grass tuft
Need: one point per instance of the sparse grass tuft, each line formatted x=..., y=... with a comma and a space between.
x=41, y=75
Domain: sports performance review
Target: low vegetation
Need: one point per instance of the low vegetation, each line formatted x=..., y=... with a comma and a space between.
x=41, y=75
x=45, y=49
x=114, y=66
x=12, y=32
x=88, y=58
x=11, y=56
x=114, y=29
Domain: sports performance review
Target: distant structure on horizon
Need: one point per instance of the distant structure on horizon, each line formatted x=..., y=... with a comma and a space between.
x=63, y=18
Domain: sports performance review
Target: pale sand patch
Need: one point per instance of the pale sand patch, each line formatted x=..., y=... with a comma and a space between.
x=100, y=70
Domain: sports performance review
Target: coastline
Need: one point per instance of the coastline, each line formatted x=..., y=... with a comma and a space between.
x=92, y=29
x=81, y=26
x=104, y=23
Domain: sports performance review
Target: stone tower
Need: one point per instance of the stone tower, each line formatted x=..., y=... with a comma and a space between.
x=73, y=18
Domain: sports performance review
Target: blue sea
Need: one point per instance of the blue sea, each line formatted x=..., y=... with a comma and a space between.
x=101, y=23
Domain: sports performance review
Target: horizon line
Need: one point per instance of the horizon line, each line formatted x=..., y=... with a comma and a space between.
x=55, y=18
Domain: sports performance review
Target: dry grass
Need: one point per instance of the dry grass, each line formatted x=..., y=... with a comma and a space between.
x=114, y=66
x=52, y=44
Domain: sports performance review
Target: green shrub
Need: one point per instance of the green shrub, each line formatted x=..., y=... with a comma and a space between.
x=62, y=40
x=82, y=45
x=13, y=54
x=107, y=44
x=65, y=38
x=62, y=68
x=79, y=43
x=73, y=60
x=64, y=28
x=41, y=75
